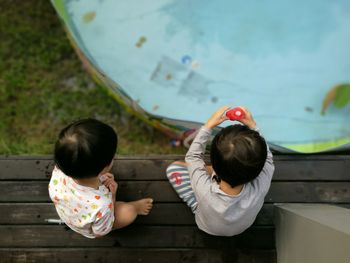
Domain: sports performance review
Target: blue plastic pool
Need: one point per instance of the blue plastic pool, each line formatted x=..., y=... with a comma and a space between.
x=175, y=61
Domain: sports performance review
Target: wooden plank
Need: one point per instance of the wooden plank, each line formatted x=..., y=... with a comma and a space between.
x=288, y=167
x=37, y=191
x=36, y=213
x=140, y=169
x=123, y=169
x=25, y=169
x=309, y=192
x=121, y=255
x=24, y=213
x=161, y=191
x=162, y=214
x=134, y=237
x=312, y=168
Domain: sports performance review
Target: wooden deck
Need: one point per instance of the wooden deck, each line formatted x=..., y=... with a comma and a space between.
x=169, y=233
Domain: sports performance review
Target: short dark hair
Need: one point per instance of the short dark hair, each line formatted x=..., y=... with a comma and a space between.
x=238, y=154
x=84, y=148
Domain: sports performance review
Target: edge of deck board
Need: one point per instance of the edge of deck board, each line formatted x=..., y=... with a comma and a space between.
x=93, y=255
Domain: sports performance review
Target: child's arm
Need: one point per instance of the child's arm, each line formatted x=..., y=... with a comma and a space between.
x=104, y=222
x=195, y=155
x=248, y=119
x=111, y=185
x=268, y=169
x=197, y=149
x=105, y=218
x=217, y=118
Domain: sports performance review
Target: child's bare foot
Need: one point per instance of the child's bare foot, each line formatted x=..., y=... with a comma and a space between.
x=143, y=206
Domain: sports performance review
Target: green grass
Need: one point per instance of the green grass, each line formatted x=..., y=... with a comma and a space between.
x=43, y=87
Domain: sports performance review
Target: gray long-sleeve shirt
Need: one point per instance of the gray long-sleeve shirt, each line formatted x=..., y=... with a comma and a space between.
x=219, y=213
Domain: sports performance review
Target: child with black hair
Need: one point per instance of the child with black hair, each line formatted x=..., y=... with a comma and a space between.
x=227, y=196
x=82, y=188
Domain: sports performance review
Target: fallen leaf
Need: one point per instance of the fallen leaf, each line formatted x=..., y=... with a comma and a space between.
x=89, y=16
x=339, y=95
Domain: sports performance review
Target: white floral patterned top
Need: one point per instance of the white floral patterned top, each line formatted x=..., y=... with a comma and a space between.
x=85, y=210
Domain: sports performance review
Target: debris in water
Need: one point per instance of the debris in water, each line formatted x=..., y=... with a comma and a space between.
x=186, y=59
x=309, y=109
x=89, y=16
x=141, y=41
x=168, y=76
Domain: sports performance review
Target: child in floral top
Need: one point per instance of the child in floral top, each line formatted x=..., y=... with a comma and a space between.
x=81, y=186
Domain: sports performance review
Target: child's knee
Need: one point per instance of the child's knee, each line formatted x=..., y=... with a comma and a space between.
x=183, y=163
x=124, y=210
x=129, y=211
x=125, y=214
x=175, y=164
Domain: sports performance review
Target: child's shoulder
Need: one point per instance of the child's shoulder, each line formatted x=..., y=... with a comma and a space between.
x=57, y=176
x=56, y=172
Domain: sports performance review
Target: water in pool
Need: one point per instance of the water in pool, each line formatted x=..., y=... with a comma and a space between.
x=182, y=59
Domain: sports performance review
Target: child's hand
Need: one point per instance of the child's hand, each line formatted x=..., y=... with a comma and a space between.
x=248, y=119
x=108, y=180
x=106, y=176
x=217, y=118
x=111, y=185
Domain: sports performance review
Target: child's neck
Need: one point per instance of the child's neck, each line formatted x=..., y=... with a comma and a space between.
x=228, y=189
x=92, y=182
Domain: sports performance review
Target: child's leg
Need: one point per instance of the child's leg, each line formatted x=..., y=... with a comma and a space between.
x=126, y=212
x=179, y=178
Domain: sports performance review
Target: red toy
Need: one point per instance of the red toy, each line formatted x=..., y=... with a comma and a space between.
x=235, y=114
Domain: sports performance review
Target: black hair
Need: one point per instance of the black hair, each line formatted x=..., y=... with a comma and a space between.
x=84, y=148
x=238, y=154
